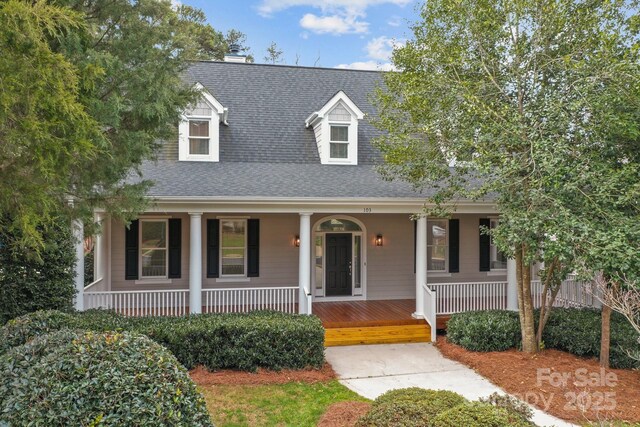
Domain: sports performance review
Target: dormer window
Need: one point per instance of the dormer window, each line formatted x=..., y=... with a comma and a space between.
x=339, y=142
x=336, y=130
x=199, y=140
x=199, y=129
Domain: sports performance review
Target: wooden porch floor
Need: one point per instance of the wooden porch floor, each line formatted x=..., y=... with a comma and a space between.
x=371, y=322
x=366, y=313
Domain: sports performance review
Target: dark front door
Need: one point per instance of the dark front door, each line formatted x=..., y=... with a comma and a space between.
x=338, y=280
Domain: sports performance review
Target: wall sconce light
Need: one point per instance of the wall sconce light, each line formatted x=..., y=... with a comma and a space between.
x=379, y=240
x=296, y=241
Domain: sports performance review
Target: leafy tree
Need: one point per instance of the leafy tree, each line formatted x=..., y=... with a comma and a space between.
x=28, y=283
x=520, y=96
x=274, y=54
x=89, y=88
x=46, y=134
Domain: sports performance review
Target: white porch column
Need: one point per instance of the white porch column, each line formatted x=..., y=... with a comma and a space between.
x=421, y=264
x=195, y=262
x=78, y=240
x=304, y=262
x=512, y=285
x=100, y=249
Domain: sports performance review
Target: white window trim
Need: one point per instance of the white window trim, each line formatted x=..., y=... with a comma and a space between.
x=218, y=115
x=320, y=119
x=148, y=279
x=231, y=277
x=189, y=137
x=446, y=251
x=494, y=271
x=347, y=142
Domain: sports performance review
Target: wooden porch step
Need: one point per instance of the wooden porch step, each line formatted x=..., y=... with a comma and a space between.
x=390, y=334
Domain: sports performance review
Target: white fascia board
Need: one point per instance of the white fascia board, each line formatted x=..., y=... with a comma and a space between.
x=315, y=205
x=341, y=96
x=217, y=106
x=311, y=120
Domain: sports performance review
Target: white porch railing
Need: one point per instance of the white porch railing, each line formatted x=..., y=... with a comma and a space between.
x=430, y=311
x=242, y=300
x=573, y=293
x=459, y=297
x=98, y=285
x=140, y=303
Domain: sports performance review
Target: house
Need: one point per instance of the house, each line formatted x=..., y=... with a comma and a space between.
x=270, y=198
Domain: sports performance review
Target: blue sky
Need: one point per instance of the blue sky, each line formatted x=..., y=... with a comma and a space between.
x=328, y=33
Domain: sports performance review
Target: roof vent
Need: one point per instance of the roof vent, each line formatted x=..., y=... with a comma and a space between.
x=234, y=54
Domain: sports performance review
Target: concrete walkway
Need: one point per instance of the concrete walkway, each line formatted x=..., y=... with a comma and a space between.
x=371, y=370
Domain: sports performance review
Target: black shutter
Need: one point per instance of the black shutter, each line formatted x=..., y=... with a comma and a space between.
x=485, y=242
x=131, y=251
x=454, y=246
x=213, y=248
x=253, y=248
x=415, y=233
x=175, y=248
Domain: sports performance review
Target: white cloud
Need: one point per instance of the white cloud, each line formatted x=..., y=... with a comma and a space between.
x=336, y=17
x=333, y=24
x=268, y=7
x=381, y=48
x=367, y=65
x=394, y=21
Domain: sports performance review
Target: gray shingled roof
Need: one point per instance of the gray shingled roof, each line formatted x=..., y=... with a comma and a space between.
x=266, y=150
x=294, y=180
x=268, y=105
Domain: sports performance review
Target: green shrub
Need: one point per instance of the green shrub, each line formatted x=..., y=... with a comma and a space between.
x=509, y=403
x=417, y=394
x=477, y=414
x=409, y=407
x=28, y=282
x=491, y=330
x=578, y=331
x=217, y=341
x=240, y=341
x=24, y=328
x=88, y=378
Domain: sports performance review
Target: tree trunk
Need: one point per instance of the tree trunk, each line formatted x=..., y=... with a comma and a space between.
x=605, y=340
x=547, y=304
x=605, y=331
x=525, y=302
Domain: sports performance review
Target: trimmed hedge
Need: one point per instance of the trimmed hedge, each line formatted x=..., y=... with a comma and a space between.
x=24, y=328
x=491, y=330
x=517, y=408
x=30, y=282
x=409, y=407
x=88, y=378
x=573, y=330
x=264, y=339
x=477, y=414
x=578, y=331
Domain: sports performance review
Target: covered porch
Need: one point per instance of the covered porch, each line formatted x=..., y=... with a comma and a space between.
x=361, y=270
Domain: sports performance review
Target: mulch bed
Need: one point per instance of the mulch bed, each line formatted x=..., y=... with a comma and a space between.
x=343, y=414
x=559, y=383
x=227, y=377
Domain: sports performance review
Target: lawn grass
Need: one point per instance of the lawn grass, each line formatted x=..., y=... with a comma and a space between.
x=291, y=404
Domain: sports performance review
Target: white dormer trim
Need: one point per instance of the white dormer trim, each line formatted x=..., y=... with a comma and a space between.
x=321, y=123
x=219, y=114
